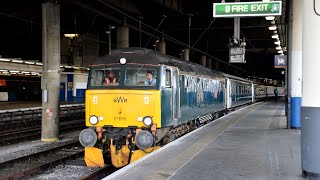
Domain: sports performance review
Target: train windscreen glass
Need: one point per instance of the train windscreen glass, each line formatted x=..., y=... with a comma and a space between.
x=101, y=76
x=143, y=76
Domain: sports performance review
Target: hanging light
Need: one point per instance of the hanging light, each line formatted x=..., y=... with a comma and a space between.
x=277, y=42
x=270, y=18
x=273, y=27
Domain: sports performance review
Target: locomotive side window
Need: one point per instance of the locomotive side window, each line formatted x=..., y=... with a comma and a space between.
x=168, y=78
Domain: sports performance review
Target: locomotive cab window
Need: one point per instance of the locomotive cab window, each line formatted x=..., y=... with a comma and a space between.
x=143, y=76
x=102, y=76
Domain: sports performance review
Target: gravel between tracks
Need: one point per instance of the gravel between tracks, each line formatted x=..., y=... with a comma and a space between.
x=30, y=147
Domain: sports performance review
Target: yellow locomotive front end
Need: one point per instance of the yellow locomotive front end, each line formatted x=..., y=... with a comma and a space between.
x=122, y=114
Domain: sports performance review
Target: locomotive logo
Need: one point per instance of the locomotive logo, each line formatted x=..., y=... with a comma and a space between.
x=120, y=100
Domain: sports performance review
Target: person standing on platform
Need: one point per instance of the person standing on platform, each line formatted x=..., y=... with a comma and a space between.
x=275, y=94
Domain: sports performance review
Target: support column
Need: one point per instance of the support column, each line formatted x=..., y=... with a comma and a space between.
x=295, y=65
x=310, y=111
x=216, y=65
x=203, y=60
x=50, y=80
x=162, y=46
x=185, y=54
x=123, y=36
x=209, y=62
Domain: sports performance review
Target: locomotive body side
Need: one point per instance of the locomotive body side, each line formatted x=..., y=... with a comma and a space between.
x=128, y=118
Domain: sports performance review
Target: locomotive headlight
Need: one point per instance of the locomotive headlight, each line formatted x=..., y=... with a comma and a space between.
x=88, y=137
x=93, y=120
x=147, y=121
x=123, y=60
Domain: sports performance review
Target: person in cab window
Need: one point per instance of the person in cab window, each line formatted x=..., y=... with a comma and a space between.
x=110, y=79
x=150, y=80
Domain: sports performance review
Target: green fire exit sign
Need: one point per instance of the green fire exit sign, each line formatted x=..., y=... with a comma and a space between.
x=239, y=9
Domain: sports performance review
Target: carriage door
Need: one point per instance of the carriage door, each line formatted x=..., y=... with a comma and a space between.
x=229, y=93
x=175, y=95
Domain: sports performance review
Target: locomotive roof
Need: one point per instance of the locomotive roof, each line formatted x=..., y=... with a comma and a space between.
x=148, y=56
x=236, y=78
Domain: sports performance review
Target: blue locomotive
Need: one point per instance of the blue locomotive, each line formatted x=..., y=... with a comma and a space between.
x=128, y=118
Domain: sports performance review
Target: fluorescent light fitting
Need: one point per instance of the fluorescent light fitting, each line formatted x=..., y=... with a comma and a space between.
x=273, y=27
x=40, y=64
x=278, y=48
x=67, y=66
x=17, y=61
x=27, y=62
x=270, y=18
x=275, y=36
x=280, y=52
x=25, y=72
x=71, y=35
x=75, y=68
x=6, y=60
x=14, y=71
x=277, y=42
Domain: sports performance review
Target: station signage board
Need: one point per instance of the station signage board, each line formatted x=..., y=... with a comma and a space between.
x=237, y=55
x=238, y=9
x=280, y=61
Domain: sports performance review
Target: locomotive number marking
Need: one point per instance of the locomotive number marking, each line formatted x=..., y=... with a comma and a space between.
x=95, y=100
x=119, y=118
x=146, y=100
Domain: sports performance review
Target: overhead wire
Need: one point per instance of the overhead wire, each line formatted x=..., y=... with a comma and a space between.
x=163, y=18
x=169, y=37
x=247, y=40
x=62, y=31
x=203, y=32
x=135, y=19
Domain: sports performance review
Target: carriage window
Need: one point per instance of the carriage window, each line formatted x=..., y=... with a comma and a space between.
x=143, y=76
x=168, y=78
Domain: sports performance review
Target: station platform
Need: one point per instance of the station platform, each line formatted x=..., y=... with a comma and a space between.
x=250, y=143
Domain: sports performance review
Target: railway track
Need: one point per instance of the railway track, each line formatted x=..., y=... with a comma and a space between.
x=9, y=136
x=36, y=163
x=17, y=126
x=101, y=173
